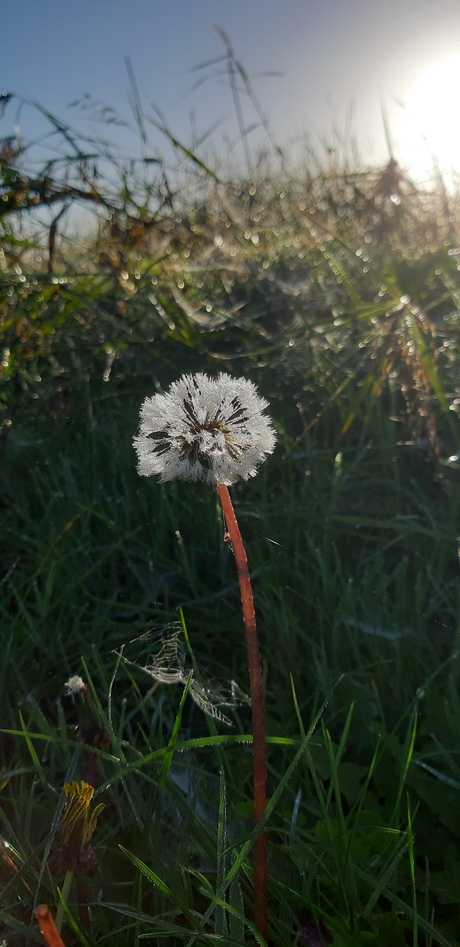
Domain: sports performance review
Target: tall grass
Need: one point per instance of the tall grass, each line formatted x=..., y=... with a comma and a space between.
x=336, y=291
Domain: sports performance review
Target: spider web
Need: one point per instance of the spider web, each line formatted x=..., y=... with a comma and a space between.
x=171, y=663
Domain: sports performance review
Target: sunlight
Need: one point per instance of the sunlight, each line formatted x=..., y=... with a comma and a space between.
x=427, y=130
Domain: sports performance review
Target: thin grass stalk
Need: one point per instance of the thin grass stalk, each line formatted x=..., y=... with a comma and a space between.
x=258, y=709
x=65, y=897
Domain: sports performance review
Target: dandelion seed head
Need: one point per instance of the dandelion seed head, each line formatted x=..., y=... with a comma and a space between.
x=202, y=428
x=74, y=686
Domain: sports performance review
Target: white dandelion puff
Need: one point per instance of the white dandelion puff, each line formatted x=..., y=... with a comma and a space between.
x=75, y=686
x=211, y=429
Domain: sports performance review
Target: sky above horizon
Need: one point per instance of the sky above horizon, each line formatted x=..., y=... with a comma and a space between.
x=334, y=64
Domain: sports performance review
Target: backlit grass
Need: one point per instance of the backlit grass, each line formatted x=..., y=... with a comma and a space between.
x=336, y=292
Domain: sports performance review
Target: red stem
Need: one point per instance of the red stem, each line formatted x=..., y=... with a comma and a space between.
x=48, y=929
x=83, y=910
x=90, y=773
x=258, y=709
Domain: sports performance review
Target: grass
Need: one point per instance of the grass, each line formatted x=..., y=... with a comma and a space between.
x=341, y=304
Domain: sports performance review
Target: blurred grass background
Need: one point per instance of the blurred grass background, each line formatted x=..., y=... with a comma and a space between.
x=335, y=289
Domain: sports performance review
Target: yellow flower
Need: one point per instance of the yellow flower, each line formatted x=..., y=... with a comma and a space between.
x=76, y=828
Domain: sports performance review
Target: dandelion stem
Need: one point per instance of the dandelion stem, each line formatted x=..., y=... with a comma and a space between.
x=83, y=910
x=48, y=929
x=258, y=709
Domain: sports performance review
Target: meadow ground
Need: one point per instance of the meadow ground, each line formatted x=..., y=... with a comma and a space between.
x=336, y=292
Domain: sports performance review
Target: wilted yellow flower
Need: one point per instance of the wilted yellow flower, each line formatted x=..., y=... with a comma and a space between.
x=76, y=828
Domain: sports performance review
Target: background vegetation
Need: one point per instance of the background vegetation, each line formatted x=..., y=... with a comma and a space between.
x=336, y=290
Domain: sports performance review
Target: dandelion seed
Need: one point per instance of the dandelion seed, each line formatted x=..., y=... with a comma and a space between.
x=211, y=429
x=91, y=727
x=75, y=686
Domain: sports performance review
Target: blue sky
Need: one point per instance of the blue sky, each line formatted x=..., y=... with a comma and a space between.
x=334, y=56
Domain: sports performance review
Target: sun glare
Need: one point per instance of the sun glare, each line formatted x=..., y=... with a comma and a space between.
x=427, y=129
